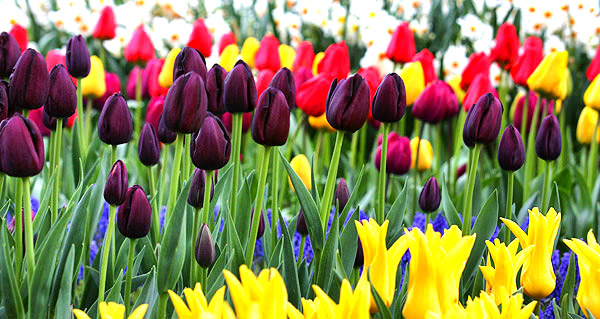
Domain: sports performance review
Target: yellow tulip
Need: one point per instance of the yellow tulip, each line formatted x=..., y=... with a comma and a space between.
x=586, y=124
x=113, y=310
x=588, y=257
x=557, y=106
x=414, y=81
x=94, y=85
x=320, y=122
x=165, y=77
x=229, y=57
x=592, y=94
x=249, y=49
x=318, y=57
x=538, y=279
x=425, y=154
x=550, y=78
x=301, y=166
x=198, y=307
x=501, y=277
x=262, y=297
x=484, y=307
x=287, y=56
x=454, y=82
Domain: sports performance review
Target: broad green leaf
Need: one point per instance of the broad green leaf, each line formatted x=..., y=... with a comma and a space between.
x=148, y=295
x=555, y=197
x=290, y=274
x=396, y=215
x=384, y=312
x=328, y=255
x=349, y=243
x=569, y=283
x=10, y=296
x=65, y=294
x=354, y=195
x=449, y=209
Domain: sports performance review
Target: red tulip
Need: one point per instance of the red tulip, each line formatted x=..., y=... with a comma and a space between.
x=227, y=39
x=36, y=117
x=155, y=108
x=506, y=50
x=311, y=95
x=54, y=57
x=302, y=75
x=336, y=61
x=401, y=48
x=479, y=63
x=152, y=71
x=399, y=154
x=263, y=79
x=547, y=108
x=437, y=102
x=20, y=35
x=480, y=86
x=426, y=58
x=106, y=27
x=305, y=56
x=131, y=83
x=267, y=56
x=139, y=49
x=533, y=53
x=594, y=68
x=113, y=85
x=200, y=39
x=246, y=121
x=373, y=78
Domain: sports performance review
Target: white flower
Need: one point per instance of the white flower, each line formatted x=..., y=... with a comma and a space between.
x=455, y=60
x=553, y=44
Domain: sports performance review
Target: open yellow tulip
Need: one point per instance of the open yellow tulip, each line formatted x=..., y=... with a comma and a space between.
x=588, y=257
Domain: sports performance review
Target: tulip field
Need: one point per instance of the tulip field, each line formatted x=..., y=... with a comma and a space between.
x=299, y=159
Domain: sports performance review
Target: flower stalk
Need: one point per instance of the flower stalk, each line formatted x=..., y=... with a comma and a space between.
x=262, y=179
x=382, y=174
x=468, y=201
x=331, y=177
x=235, y=154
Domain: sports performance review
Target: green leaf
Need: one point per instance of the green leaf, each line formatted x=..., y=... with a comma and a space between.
x=243, y=212
x=65, y=294
x=555, y=197
x=328, y=255
x=383, y=309
x=10, y=296
x=354, y=195
x=290, y=273
x=396, y=215
x=43, y=205
x=569, y=283
x=449, y=209
x=114, y=294
x=349, y=243
x=148, y=295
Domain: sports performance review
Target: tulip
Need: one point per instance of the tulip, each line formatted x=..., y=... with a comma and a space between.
x=389, y=102
x=139, y=50
x=551, y=76
x=342, y=195
x=479, y=63
x=347, y=104
x=152, y=73
x=200, y=38
x=320, y=123
x=302, y=168
x=215, y=82
x=189, y=60
x=239, y=92
x=592, y=94
x=437, y=102
x=94, y=85
x=538, y=279
x=226, y=40
x=507, y=46
x=165, y=77
x=430, y=197
x=454, y=82
x=414, y=81
x=401, y=48
x=106, y=26
x=62, y=97
x=228, y=121
x=526, y=63
x=371, y=75
x=271, y=122
x=116, y=184
x=249, y=49
x=302, y=75
x=211, y=145
x=229, y=56
x=589, y=263
x=196, y=194
x=49, y=122
x=78, y=57
x=481, y=85
x=216, y=308
x=37, y=117
x=29, y=82
x=318, y=58
x=205, y=248
x=135, y=214
x=263, y=79
x=284, y=81
x=132, y=83
x=113, y=310
x=398, y=156
x=546, y=108
x=425, y=154
x=311, y=96
x=267, y=56
x=148, y=146
x=9, y=54
x=185, y=104
x=511, y=153
x=165, y=135
x=594, y=68
x=301, y=226
x=287, y=55
x=20, y=34
x=115, y=125
x=588, y=120
x=335, y=62
x=305, y=56
x=21, y=147
x=113, y=85
x=426, y=58
x=548, y=144
x=3, y=102
x=483, y=125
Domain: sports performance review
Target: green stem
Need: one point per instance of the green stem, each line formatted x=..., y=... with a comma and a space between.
x=458, y=130
x=29, y=248
x=547, y=186
x=162, y=305
x=195, y=229
x=468, y=206
x=274, y=198
x=155, y=210
x=290, y=147
x=163, y=172
x=105, y=252
x=88, y=122
x=260, y=194
x=524, y=115
x=416, y=168
x=80, y=119
x=58, y=166
x=236, y=133
x=438, y=149
x=19, y=226
x=427, y=219
x=139, y=106
x=173, y=190
x=129, y=275
x=509, y=202
x=317, y=156
x=52, y=162
x=530, y=152
x=186, y=160
x=382, y=174
x=331, y=178
x=353, y=147
x=593, y=157
x=102, y=53
x=363, y=143
x=563, y=134
x=206, y=202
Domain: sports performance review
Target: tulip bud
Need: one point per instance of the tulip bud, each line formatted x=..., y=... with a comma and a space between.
x=284, y=81
x=165, y=135
x=9, y=54
x=548, y=143
x=414, y=80
x=371, y=75
x=134, y=217
x=185, y=104
x=550, y=78
x=347, y=105
x=425, y=153
x=148, y=146
x=228, y=58
x=211, y=145
x=430, y=197
x=302, y=75
x=301, y=226
x=594, y=68
x=139, y=49
x=48, y=120
x=62, y=97
x=342, y=194
x=226, y=40
x=302, y=168
x=261, y=223
x=94, y=85
x=3, y=101
x=78, y=57
x=389, y=102
x=586, y=124
x=106, y=27
x=37, y=117
x=267, y=56
x=526, y=63
x=483, y=124
x=21, y=147
x=165, y=77
x=205, y=247
x=479, y=63
x=519, y=108
x=189, y=60
x=480, y=86
x=335, y=62
x=399, y=154
x=200, y=38
x=312, y=95
x=359, y=259
x=116, y=185
x=507, y=46
x=436, y=103
x=263, y=79
x=154, y=111
x=591, y=97
x=215, y=82
x=131, y=86
x=249, y=49
x=196, y=194
x=113, y=85
x=305, y=56
x=20, y=34
x=401, y=48
x=461, y=170
x=152, y=73
x=287, y=56
x=239, y=93
x=426, y=58
x=29, y=82
x=271, y=122
x=511, y=153
x=115, y=125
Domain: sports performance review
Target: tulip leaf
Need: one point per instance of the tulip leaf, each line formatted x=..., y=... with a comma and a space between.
x=555, y=197
x=354, y=194
x=148, y=294
x=449, y=209
x=290, y=274
x=349, y=243
x=569, y=283
x=314, y=187
x=43, y=207
x=223, y=182
x=381, y=307
x=327, y=259
x=243, y=212
x=65, y=294
x=396, y=215
x=217, y=268
x=484, y=228
x=311, y=212
x=114, y=294
x=233, y=239
x=10, y=296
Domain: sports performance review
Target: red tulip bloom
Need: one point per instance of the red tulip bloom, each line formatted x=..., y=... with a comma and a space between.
x=305, y=55
x=246, y=121
x=139, y=49
x=113, y=85
x=54, y=57
x=153, y=70
x=302, y=75
x=312, y=94
x=401, y=48
x=227, y=39
x=263, y=79
x=479, y=63
x=373, y=78
x=200, y=39
x=155, y=108
x=20, y=35
x=506, y=50
x=480, y=86
x=547, y=108
x=426, y=58
x=267, y=56
x=594, y=68
x=533, y=53
x=106, y=27
x=399, y=156
x=336, y=61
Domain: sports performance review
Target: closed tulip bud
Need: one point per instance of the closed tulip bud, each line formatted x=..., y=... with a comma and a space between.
x=389, y=102
x=211, y=145
x=20, y=34
x=115, y=125
x=285, y=82
x=263, y=79
x=592, y=94
x=302, y=168
x=414, y=80
x=479, y=63
x=29, y=82
x=200, y=38
x=155, y=108
x=548, y=143
x=21, y=147
x=249, y=49
x=132, y=83
x=271, y=122
x=335, y=62
x=229, y=56
x=239, y=93
x=116, y=185
x=483, y=123
x=359, y=259
x=342, y=194
x=401, y=48
x=466, y=134
x=302, y=75
x=3, y=102
x=594, y=68
x=165, y=135
x=426, y=58
x=215, y=83
x=430, y=198
x=425, y=154
x=113, y=85
x=148, y=147
x=586, y=124
x=78, y=57
x=301, y=226
x=94, y=85
x=9, y=54
x=461, y=170
x=189, y=60
x=507, y=46
x=165, y=77
x=106, y=27
x=347, y=105
x=287, y=56
x=185, y=104
x=398, y=155
x=226, y=40
x=305, y=56
x=261, y=223
x=139, y=50
x=436, y=103
x=480, y=86
x=550, y=78
x=49, y=121
x=152, y=73
x=511, y=153
x=312, y=95
x=205, y=247
x=526, y=63
x=196, y=194
x=267, y=56
x=62, y=98
x=135, y=214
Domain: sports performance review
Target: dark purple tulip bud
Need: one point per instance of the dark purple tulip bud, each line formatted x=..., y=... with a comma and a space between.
x=50, y=121
x=461, y=170
x=62, y=97
x=359, y=260
x=78, y=57
x=116, y=185
x=347, y=105
x=21, y=147
x=165, y=135
x=134, y=214
x=430, y=197
x=483, y=122
x=511, y=153
x=261, y=223
x=149, y=147
x=115, y=125
x=285, y=82
x=196, y=194
x=389, y=102
x=188, y=60
x=215, y=83
x=3, y=101
x=239, y=93
x=211, y=145
x=271, y=122
x=466, y=137
x=301, y=226
x=548, y=144
x=9, y=54
x=29, y=82
x=437, y=102
x=205, y=248
x=185, y=104
x=342, y=194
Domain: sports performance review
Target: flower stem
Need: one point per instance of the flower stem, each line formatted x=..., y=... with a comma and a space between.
x=57, y=167
x=468, y=206
x=593, y=157
x=88, y=121
x=163, y=171
x=105, y=252
x=274, y=198
x=260, y=194
x=236, y=142
x=457, y=148
x=196, y=226
x=206, y=202
x=547, y=186
x=155, y=211
x=129, y=275
x=416, y=168
x=175, y=174
x=509, y=202
x=19, y=226
x=162, y=305
x=29, y=248
x=331, y=178
x=317, y=156
x=382, y=174
x=530, y=153
x=80, y=119
x=138, y=99
x=524, y=115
